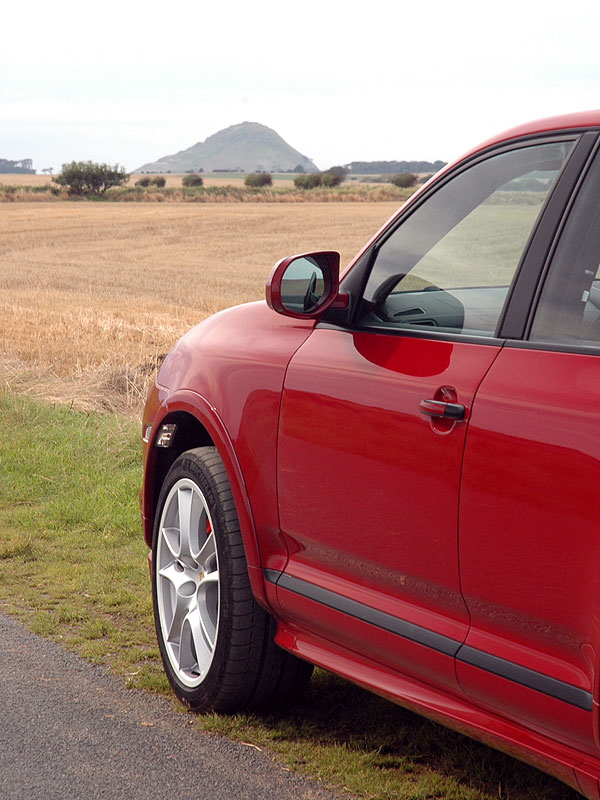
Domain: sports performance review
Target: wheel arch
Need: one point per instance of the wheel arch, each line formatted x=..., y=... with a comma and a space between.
x=199, y=425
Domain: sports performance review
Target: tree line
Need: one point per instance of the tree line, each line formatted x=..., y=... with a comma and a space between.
x=392, y=167
x=22, y=167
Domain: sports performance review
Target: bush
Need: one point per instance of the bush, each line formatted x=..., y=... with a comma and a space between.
x=309, y=181
x=86, y=177
x=338, y=172
x=192, y=180
x=404, y=180
x=330, y=178
x=333, y=177
x=257, y=179
x=146, y=181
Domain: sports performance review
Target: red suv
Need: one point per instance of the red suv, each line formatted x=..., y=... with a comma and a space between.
x=396, y=476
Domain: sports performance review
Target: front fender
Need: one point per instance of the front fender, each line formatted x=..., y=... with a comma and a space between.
x=195, y=405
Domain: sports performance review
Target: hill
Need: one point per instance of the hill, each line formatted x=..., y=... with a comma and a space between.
x=247, y=147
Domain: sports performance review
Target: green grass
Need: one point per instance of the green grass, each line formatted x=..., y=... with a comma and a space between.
x=72, y=561
x=73, y=568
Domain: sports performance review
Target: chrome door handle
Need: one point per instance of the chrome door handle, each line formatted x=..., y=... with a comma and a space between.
x=438, y=408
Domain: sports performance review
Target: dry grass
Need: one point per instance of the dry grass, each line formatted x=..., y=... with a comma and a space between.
x=14, y=179
x=225, y=189
x=173, y=180
x=92, y=295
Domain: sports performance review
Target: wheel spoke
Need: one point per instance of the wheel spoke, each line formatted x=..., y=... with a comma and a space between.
x=195, y=652
x=208, y=553
x=208, y=605
x=181, y=599
x=185, y=505
x=210, y=577
x=192, y=524
x=171, y=539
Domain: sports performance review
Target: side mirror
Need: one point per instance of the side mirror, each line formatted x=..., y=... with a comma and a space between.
x=303, y=286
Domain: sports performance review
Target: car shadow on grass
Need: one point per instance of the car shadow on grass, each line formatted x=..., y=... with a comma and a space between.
x=372, y=748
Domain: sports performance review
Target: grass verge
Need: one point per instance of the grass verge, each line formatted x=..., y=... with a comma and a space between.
x=73, y=568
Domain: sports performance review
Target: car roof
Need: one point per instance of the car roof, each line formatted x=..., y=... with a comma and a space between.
x=581, y=119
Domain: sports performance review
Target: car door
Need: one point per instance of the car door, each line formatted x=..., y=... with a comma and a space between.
x=374, y=417
x=530, y=503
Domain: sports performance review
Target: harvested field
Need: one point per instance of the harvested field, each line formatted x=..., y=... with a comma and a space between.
x=93, y=295
x=16, y=179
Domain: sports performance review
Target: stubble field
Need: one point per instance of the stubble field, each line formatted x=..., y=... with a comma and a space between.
x=93, y=295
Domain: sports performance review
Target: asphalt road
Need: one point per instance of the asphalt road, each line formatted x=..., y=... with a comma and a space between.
x=70, y=731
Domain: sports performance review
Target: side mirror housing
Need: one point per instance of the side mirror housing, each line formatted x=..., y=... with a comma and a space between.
x=304, y=285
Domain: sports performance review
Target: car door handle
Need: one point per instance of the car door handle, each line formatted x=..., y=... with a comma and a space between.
x=438, y=408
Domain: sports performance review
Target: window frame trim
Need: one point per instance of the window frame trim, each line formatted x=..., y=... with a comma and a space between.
x=515, y=313
x=543, y=277
x=515, y=322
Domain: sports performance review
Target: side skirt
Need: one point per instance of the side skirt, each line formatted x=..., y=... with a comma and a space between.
x=565, y=763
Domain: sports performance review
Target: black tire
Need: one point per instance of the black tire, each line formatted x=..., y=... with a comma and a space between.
x=216, y=642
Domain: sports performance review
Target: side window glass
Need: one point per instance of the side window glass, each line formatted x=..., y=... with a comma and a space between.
x=449, y=265
x=569, y=308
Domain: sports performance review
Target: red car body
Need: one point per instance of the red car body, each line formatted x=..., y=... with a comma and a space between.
x=419, y=505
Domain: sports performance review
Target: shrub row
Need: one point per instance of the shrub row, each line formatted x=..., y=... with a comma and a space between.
x=159, y=182
x=332, y=177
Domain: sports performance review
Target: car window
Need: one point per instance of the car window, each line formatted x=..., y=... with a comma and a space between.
x=449, y=265
x=569, y=308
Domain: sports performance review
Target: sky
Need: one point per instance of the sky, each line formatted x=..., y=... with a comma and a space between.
x=128, y=82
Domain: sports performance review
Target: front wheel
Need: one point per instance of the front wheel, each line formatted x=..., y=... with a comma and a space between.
x=215, y=641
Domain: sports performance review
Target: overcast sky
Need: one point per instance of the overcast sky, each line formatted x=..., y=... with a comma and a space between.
x=128, y=82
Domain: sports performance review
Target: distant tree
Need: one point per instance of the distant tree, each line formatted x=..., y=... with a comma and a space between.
x=525, y=185
x=339, y=171
x=393, y=167
x=258, y=179
x=24, y=166
x=404, y=180
x=192, y=180
x=298, y=168
x=87, y=177
x=309, y=181
x=143, y=182
x=333, y=176
x=159, y=182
